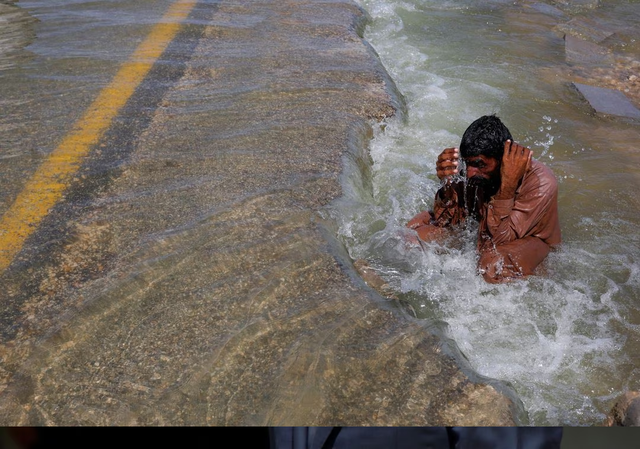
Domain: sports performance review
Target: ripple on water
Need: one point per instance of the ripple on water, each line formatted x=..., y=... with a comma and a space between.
x=16, y=32
x=567, y=339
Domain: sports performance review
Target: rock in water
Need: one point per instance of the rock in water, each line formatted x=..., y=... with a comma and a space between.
x=626, y=411
x=608, y=101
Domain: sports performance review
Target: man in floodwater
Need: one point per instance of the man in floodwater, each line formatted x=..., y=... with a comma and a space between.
x=514, y=198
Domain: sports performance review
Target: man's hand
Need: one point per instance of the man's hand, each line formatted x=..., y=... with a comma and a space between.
x=426, y=230
x=516, y=160
x=447, y=164
x=422, y=219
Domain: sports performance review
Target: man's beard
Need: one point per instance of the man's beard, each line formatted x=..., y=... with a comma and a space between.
x=488, y=186
x=479, y=191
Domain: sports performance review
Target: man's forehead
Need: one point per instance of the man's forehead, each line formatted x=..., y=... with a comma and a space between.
x=479, y=158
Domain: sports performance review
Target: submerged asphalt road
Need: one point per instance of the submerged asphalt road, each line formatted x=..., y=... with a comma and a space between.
x=188, y=274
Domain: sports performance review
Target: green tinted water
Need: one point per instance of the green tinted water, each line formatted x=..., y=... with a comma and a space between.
x=568, y=341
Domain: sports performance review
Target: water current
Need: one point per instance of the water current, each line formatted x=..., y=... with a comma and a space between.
x=47, y=82
x=567, y=340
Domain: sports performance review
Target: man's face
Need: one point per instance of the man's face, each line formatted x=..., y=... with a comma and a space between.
x=483, y=171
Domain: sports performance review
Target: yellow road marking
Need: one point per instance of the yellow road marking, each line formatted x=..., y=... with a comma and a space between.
x=47, y=185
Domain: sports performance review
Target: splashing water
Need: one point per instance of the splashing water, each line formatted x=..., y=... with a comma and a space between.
x=567, y=340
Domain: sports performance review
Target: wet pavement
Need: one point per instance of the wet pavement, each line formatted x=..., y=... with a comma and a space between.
x=190, y=277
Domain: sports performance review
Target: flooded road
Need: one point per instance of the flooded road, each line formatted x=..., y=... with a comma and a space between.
x=188, y=274
x=197, y=266
x=48, y=82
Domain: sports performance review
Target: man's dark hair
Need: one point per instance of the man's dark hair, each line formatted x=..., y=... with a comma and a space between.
x=486, y=136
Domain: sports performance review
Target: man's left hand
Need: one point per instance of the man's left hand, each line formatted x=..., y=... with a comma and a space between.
x=516, y=160
x=422, y=219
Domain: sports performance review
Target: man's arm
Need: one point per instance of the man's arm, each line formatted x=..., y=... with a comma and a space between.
x=516, y=160
x=510, y=218
x=447, y=207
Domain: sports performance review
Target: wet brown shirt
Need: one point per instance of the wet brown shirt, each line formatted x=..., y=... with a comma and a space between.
x=532, y=212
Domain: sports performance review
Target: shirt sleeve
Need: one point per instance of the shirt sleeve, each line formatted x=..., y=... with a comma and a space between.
x=516, y=218
x=448, y=207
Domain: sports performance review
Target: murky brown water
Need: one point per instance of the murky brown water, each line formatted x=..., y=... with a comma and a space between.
x=186, y=277
x=568, y=341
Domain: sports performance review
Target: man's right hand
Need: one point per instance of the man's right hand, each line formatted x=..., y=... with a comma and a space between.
x=447, y=164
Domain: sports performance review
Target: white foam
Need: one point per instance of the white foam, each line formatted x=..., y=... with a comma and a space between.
x=555, y=337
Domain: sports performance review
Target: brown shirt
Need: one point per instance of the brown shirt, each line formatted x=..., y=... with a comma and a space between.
x=532, y=212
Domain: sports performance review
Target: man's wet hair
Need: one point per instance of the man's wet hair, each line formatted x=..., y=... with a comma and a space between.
x=486, y=136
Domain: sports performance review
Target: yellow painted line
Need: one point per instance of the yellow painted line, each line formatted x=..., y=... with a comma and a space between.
x=49, y=182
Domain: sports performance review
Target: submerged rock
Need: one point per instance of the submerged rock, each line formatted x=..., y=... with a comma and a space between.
x=545, y=8
x=587, y=28
x=626, y=411
x=373, y=279
x=608, y=101
x=581, y=51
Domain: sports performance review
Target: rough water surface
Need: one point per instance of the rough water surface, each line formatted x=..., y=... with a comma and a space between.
x=566, y=339
x=189, y=277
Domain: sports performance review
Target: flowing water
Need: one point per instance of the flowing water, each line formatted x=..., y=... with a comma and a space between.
x=46, y=83
x=568, y=340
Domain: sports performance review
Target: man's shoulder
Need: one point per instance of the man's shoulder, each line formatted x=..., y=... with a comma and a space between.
x=541, y=169
x=541, y=177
